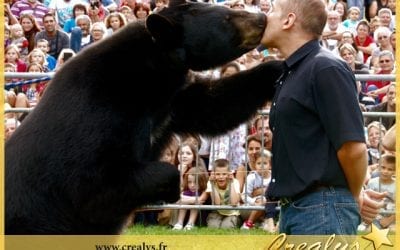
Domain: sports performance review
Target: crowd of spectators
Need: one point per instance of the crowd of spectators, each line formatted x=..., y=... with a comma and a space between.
x=41, y=35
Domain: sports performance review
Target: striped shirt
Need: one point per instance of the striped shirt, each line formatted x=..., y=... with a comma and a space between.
x=37, y=9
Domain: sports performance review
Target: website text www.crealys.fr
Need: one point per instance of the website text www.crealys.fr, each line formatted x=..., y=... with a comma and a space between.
x=138, y=246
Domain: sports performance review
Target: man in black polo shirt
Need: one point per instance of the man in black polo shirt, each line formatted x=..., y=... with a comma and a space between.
x=319, y=152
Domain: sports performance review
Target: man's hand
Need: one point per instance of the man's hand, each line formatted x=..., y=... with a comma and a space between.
x=370, y=203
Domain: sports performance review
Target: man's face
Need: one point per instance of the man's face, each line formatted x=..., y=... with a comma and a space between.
x=333, y=21
x=263, y=129
x=391, y=96
x=274, y=24
x=84, y=25
x=385, y=19
x=49, y=24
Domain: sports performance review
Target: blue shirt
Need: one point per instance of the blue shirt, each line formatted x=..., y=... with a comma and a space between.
x=51, y=62
x=314, y=112
x=69, y=24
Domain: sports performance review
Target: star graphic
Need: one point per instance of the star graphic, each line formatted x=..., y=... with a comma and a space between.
x=378, y=237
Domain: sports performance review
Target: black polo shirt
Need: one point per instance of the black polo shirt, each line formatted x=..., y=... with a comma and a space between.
x=315, y=110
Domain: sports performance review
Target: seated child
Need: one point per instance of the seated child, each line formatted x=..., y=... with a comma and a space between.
x=254, y=194
x=224, y=190
x=194, y=185
x=385, y=182
x=18, y=38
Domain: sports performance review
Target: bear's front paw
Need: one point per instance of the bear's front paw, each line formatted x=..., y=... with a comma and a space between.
x=169, y=186
x=161, y=182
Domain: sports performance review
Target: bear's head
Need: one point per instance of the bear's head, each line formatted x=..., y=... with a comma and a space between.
x=205, y=35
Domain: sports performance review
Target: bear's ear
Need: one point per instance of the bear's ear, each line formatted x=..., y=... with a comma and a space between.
x=159, y=27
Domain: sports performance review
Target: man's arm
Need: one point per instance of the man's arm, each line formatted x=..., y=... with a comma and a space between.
x=389, y=139
x=373, y=9
x=353, y=159
x=332, y=35
x=10, y=12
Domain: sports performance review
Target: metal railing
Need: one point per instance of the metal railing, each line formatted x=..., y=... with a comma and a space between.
x=359, y=77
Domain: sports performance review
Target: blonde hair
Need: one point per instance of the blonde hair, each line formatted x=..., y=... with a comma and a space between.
x=13, y=27
x=37, y=50
x=14, y=47
x=349, y=47
x=263, y=153
x=377, y=125
x=355, y=8
x=40, y=66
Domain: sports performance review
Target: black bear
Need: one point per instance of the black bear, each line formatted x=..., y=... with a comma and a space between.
x=87, y=155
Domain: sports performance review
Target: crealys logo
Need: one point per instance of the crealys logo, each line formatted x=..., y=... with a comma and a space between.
x=374, y=240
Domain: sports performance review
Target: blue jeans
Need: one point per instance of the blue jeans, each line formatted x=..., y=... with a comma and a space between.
x=324, y=212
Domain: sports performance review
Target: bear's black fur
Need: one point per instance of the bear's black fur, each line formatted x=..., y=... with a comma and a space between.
x=86, y=156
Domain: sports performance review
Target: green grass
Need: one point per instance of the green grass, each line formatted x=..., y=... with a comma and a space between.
x=165, y=230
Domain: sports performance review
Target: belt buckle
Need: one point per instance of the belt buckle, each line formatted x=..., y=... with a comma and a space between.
x=285, y=201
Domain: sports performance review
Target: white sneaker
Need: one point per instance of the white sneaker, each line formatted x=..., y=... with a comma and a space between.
x=269, y=226
x=362, y=227
x=189, y=227
x=177, y=226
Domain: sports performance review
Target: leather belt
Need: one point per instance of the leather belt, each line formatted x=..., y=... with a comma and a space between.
x=283, y=201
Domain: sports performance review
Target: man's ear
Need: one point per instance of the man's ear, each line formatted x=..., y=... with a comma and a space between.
x=290, y=19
